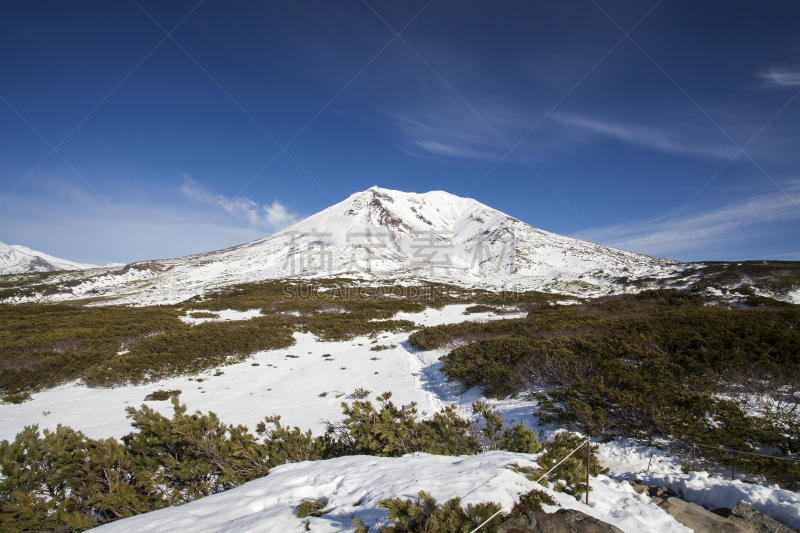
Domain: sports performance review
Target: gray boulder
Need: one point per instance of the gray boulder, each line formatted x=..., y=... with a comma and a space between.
x=695, y=517
x=660, y=492
x=744, y=515
x=562, y=521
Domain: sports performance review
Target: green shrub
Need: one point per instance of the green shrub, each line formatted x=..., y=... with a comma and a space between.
x=393, y=431
x=570, y=475
x=65, y=481
x=203, y=314
x=283, y=444
x=425, y=515
x=311, y=507
x=381, y=347
x=336, y=327
x=531, y=502
x=44, y=345
x=160, y=395
x=493, y=436
x=360, y=393
x=482, y=309
x=660, y=363
x=191, y=456
x=488, y=362
x=191, y=349
x=58, y=480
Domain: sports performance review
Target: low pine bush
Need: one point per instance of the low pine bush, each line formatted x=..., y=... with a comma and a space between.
x=64, y=481
x=424, y=515
x=161, y=395
x=310, y=508
x=531, y=502
x=658, y=364
x=570, y=476
x=203, y=314
x=360, y=393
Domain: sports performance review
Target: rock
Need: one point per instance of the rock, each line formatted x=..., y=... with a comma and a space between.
x=637, y=487
x=700, y=520
x=758, y=522
x=562, y=521
x=661, y=492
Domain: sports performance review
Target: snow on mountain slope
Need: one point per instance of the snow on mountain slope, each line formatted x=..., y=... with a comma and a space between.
x=380, y=234
x=16, y=259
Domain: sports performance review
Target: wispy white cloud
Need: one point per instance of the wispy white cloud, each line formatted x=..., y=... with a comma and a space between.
x=646, y=136
x=457, y=133
x=449, y=134
x=275, y=216
x=712, y=228
x=781, y=77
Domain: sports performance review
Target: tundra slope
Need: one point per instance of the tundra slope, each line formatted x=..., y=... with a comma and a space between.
x=379, y=235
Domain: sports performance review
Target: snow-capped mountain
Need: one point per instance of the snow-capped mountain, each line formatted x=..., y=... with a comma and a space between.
x=16, y=259
x=381, y=234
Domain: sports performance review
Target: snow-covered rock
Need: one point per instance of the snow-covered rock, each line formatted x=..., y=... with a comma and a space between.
x=713, y=492
x=351, y=487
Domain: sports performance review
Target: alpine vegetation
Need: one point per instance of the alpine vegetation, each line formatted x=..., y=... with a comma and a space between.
x=63, y=480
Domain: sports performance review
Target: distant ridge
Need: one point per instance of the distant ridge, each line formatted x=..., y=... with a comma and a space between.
x=16, y=259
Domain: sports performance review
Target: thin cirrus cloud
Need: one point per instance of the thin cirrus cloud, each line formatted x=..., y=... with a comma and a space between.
x=448, y=135
x=781, y=77
x=275, y=216
x=641, y=135
x=458, y=135
x=701, y=231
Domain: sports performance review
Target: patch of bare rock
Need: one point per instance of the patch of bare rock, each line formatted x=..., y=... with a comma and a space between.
x=562, y=521
x=740, y=519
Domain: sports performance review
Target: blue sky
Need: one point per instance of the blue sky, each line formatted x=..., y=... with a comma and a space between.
x=679, y=140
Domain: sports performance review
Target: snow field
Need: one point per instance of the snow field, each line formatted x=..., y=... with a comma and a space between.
x=353, y=486
x=245, y=394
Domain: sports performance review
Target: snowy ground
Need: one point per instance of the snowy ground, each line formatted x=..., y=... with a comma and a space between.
x=292, y=388
x=655, y=467
x=245, y=394
x=353, y=486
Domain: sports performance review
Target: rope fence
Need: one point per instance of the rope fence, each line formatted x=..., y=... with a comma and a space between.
x=587, y=444
x=738, y=459
x=767, y=456
x=584, y=443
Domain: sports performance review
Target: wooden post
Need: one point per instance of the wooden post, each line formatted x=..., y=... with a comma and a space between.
x=588, y=456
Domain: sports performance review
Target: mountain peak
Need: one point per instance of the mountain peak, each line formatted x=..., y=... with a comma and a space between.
x=383, y=234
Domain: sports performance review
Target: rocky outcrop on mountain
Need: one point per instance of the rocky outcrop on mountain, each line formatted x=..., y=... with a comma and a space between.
x=747, y=517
